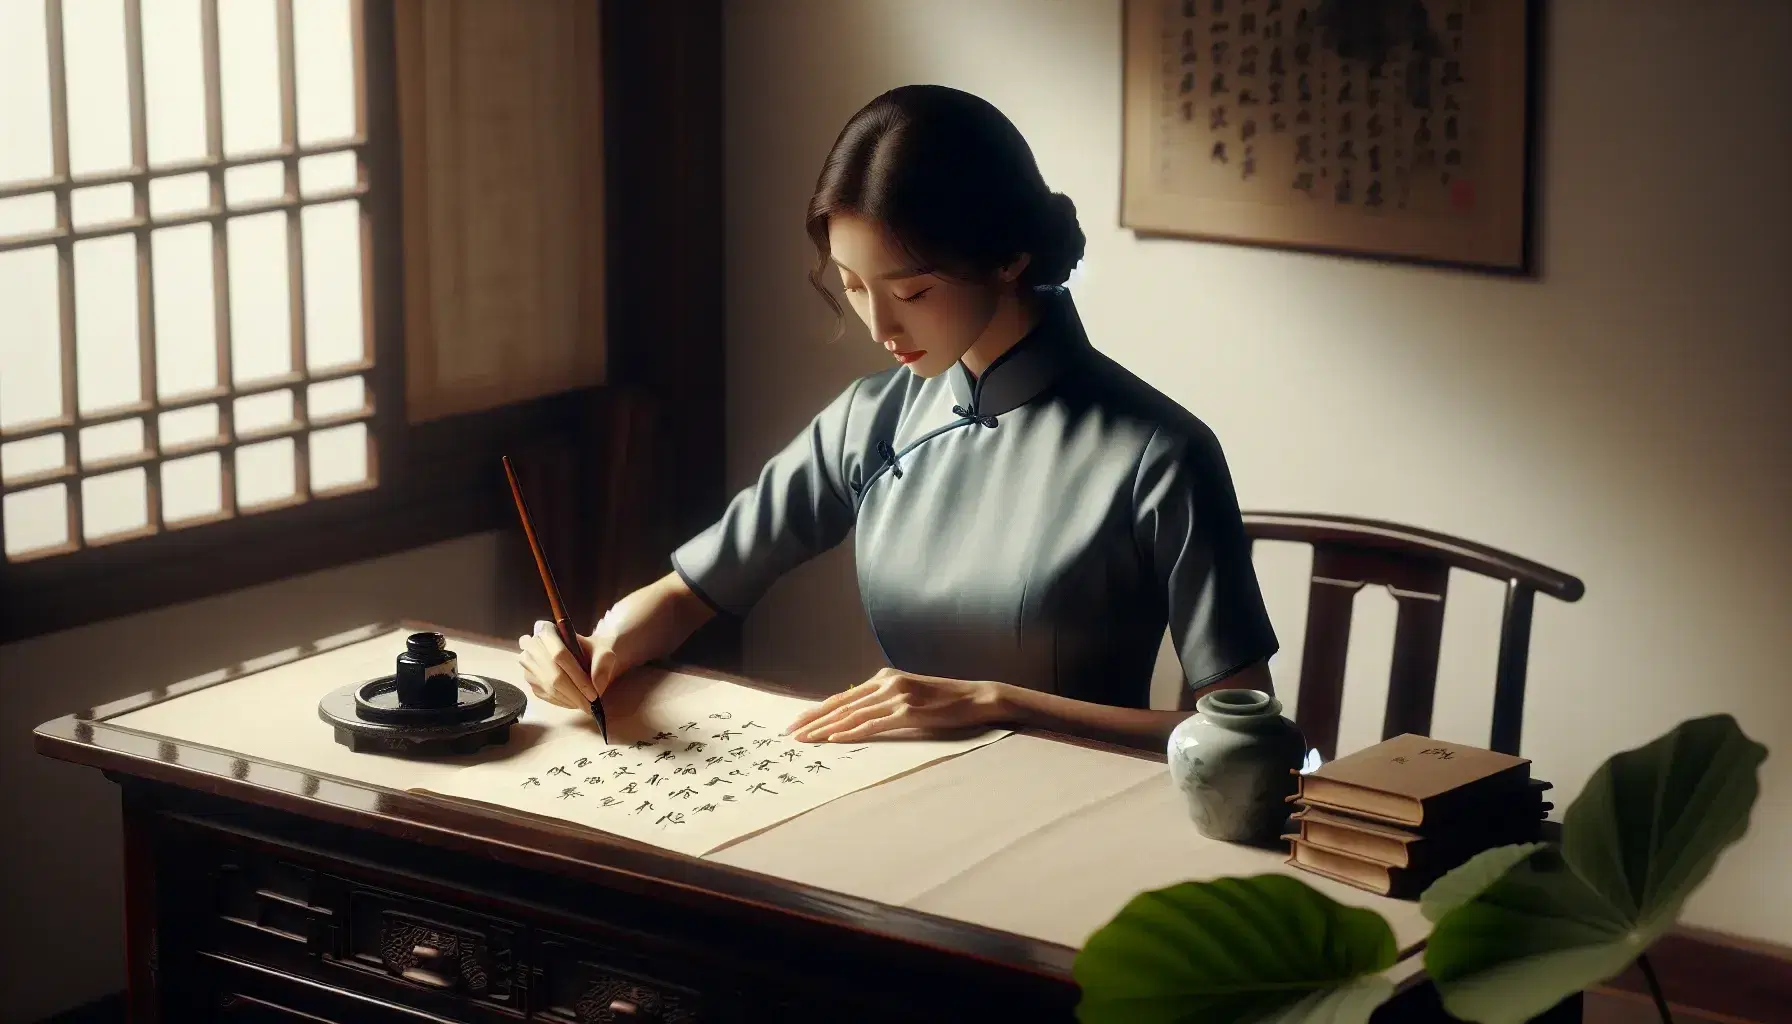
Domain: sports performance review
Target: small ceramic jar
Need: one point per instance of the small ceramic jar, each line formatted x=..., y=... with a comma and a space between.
x=1235, y=761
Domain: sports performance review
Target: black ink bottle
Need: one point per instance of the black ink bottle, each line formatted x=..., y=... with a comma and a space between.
x=428, y=672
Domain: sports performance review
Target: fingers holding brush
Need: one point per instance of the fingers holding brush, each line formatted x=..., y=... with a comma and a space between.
x=552, y=671
x=545, y=681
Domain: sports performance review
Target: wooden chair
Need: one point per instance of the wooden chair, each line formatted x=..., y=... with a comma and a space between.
x=1414, y=564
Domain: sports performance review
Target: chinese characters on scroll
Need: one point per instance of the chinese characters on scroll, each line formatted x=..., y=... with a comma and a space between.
x=1390, y=127
x=676, y=776
x=692, y=764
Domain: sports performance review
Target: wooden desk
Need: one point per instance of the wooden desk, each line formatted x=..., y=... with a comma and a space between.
x=260, y=888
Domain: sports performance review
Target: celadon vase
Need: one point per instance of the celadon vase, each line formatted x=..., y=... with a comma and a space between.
x=1235, y=760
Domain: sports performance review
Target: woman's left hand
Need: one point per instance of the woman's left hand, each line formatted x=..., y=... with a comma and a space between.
x=894, y=699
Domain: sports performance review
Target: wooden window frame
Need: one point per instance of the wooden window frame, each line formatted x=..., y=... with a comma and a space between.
x=149, y=406
x=660, y=408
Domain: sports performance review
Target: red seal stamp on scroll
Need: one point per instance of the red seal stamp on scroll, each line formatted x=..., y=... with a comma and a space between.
x=1462, y=194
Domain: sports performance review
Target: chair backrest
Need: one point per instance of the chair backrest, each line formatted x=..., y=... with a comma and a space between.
x=1414, y=564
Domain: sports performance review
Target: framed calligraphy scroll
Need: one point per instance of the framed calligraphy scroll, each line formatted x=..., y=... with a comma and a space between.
x=1397, y=129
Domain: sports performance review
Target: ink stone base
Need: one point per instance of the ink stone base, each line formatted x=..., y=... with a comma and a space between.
x=426, y=708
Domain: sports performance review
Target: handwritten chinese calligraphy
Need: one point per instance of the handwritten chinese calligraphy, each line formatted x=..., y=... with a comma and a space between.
x=693, y=772
x=1292, y=121
x=666, y=754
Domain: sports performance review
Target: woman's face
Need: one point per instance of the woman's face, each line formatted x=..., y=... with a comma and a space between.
x=925, y=321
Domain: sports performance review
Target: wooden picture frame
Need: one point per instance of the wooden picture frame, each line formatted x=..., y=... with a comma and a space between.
x=1272, y=123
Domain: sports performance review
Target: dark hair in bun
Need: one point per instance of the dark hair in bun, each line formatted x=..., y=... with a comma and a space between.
x=953, y=181
x=1060, y=245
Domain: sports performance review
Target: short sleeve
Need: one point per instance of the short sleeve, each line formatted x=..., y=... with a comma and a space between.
x=797, y=509
x=1188, y=526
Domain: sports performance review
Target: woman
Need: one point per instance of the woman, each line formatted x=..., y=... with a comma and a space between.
x=1028, y=515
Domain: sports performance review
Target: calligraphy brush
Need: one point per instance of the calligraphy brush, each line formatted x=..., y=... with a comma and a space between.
x=568, y=635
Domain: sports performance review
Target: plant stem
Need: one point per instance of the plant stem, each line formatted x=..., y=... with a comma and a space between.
x=1661, y=1001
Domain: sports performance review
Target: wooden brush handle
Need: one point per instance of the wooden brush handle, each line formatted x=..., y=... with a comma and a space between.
x=568, y=635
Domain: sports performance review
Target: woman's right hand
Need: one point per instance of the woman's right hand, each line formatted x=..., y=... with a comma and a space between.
x=648, y=623
x=554, y=674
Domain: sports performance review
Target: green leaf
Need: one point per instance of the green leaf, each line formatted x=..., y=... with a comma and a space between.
x=1258, y=949
x=1349, y=1003
x=1651, y=822
x=1471, y=878
x=1641, y=837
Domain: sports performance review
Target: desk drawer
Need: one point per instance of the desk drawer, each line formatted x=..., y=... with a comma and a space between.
x=233, y=992
x=578, y=983
x=293, y=917
x=432, y=946
x=435, y=936
x=403, y=939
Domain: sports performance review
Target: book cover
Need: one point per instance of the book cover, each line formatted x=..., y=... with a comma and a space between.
x=1399, y=848
x=1521, y=801
x=1417, y=780
x=1399, y=883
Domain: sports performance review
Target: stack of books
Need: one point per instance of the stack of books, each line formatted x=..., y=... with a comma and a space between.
x=1394, y=817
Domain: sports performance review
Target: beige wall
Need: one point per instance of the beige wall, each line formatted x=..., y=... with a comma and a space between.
x=60, y=862
x=1624, y=417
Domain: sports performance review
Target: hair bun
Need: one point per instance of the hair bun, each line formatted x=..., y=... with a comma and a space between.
x=1060, y=245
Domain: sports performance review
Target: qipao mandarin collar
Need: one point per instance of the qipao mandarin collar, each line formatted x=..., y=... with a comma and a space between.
x=1020, y=374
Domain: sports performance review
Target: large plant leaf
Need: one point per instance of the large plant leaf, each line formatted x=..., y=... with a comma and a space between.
x=1349, y=1003
x=1236, y=951
x=1472, y=878
x=1651, y=822
x=1641, y=836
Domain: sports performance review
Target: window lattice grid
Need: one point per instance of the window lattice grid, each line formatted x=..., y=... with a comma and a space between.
x=256, y=246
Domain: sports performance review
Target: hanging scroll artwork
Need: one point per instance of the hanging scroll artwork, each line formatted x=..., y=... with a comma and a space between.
x=1388, y=128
